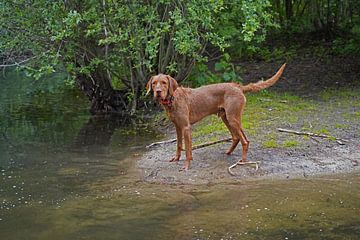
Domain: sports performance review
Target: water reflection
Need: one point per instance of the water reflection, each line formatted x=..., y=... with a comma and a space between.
x=51, y=148
x=97, y=132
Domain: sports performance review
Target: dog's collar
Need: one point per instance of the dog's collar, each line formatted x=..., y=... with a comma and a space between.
x=169, y=101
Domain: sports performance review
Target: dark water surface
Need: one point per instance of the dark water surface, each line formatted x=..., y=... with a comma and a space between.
x=65, y=175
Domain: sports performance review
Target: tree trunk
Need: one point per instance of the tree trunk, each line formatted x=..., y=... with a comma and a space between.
x=288, y=9
x=104, y=99
x=316, y=16
x=278, y=10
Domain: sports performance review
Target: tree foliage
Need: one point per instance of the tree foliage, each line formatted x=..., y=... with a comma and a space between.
x=110, y=48
x=328, y=16
x=106, y=43
x=245, y=23
x=335, y=21
x=102, y=42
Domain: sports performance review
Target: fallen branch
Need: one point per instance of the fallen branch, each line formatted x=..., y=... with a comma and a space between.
x=210, y=143
x=161, y=142
x=194, y=147
x=269, y=120
x=311, y=134
x=312, y=138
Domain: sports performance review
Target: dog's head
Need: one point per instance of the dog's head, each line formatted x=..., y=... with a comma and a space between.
x=162, y=85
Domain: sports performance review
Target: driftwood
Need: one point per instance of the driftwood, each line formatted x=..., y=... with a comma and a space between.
x=338, y=140
x=194, y=147
x=211, y=143
x=161, y=142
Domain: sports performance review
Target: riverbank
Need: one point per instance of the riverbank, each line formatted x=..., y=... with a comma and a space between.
x=327, y=107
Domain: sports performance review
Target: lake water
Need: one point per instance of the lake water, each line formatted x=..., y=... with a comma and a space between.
x=67, y=175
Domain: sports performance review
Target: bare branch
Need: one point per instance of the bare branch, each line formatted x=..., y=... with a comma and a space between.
x=310, y=134
x=17, y=63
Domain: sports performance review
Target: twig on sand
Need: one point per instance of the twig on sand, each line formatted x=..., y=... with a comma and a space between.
x=211, y=143
x=242, y=163
x=194, y=147
x=338, y=140
x=316, y=140
x=270, y=120
x=161, y=142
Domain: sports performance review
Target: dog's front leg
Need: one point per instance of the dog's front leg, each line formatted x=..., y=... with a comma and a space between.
x=179, y=140
x=188, y=146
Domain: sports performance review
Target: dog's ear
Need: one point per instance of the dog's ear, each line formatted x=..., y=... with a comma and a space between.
x=148, y=86
x=173, y=85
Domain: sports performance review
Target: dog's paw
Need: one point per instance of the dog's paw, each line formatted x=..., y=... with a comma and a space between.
x=186, y=165
x=228, y=152
x=175, y=159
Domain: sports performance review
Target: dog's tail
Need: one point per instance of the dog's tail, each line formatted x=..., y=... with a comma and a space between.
x=255, y=87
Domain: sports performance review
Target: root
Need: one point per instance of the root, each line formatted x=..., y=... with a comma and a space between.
x=242, y=163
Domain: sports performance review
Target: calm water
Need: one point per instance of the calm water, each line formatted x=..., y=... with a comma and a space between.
x=65, y=175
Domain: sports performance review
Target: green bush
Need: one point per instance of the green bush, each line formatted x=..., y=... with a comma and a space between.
x=224, y=71
x=350, y=45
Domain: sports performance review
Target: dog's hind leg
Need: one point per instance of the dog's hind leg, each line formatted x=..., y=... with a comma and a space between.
x=235, y=139
x=245, y=144
x=234, y=125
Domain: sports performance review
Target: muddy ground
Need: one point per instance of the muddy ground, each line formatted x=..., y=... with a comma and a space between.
x=307, y=78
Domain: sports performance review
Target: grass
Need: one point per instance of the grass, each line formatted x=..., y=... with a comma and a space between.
x=357, y=114
x=290, y=143
x=342, y=93
x=277, y=103
x=323, y=130
x=272, y=143
x=341, y=126
x=352, y=116
x=211, y=125
x=264, y=108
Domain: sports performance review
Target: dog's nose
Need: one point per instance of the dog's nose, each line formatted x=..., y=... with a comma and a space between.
x=158, y=93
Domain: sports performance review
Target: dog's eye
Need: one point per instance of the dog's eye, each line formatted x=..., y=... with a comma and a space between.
x=163, y=82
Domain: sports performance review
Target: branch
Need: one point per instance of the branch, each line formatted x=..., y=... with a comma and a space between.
x=161, y=142
x=168, y=53
x=17, y=63
x=210, y=143
x=194, y=147
x=311, y=134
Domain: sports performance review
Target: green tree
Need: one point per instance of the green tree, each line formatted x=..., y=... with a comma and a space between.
x=111, y=48
x=328, y=16
x=102, y=42
x=244, y=24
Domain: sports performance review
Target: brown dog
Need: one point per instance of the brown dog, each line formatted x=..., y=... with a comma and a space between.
x=186, y=106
